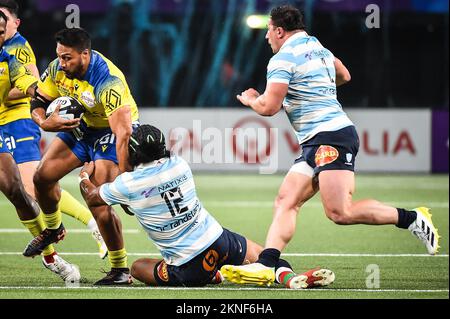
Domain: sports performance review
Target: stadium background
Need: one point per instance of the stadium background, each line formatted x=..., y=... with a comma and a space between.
x=200, y=52
x=187, y=59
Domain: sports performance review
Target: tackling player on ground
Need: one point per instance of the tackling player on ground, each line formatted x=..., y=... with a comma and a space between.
x=161, y=193
x=101, y=136
x=23, y=135
x=302, y=78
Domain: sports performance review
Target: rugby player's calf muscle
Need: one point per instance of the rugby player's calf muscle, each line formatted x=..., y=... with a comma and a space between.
x=109, y=225
x=48, y=192
x=143, y=270
x=22, y=202
x=281, y=230
x=107, y=220
x=27, y=171
x=57, y=162
x=294, y=192
x=13, y=189
x=339, y=217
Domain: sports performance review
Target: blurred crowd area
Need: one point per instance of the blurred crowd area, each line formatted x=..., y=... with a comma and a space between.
x=201, y=53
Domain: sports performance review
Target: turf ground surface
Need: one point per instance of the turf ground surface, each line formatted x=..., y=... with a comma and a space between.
x=243, y=203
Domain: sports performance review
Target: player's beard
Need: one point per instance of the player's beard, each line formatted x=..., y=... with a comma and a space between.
x=77, y=73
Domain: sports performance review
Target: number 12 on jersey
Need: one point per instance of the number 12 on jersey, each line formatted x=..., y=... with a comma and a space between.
x=173, y=198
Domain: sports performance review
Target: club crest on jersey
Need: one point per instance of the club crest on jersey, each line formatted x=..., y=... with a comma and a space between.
x=88, y=98
x=326, y=155
x=2, y=71
x=163, y=274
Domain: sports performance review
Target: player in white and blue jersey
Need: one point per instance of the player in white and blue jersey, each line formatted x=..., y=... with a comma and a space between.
x=161, y=193
x=302, y=78
x=311, y=102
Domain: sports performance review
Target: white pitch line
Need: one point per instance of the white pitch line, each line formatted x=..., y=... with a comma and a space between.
x=361, y=255
x=237, y=203
x=315, y=204
x=285, y=255
x=69, y=231
x=226, y=289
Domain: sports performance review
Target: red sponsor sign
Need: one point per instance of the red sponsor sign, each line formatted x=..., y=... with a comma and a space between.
x=252, y=155
x=325, y=155
x=163, y=274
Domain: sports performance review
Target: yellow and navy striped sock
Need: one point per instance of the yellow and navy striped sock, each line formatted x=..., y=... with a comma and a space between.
x=53, y=220
x=36, y=226
x=118, y=258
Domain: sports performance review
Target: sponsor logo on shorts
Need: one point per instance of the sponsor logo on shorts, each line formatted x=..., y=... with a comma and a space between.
x=326, y=155
x=210, y=260
x=163, y=274
x=349, y=157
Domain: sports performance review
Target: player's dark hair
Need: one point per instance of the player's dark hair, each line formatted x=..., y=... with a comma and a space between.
x=147, y=144
x=287, y=17
x=11, y=5
x=76, y=38
x=3, y=16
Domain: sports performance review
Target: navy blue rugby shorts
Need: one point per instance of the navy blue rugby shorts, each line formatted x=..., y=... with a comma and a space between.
x=230, y=249
x=331, y=150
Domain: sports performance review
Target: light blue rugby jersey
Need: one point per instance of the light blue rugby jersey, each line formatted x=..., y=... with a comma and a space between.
x=311, y=102
x=163, y=198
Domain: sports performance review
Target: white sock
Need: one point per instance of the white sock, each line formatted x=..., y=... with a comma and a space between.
x=280, y=271
x=92, y=225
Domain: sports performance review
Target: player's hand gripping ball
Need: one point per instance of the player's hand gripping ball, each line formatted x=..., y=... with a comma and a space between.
x=70, y=108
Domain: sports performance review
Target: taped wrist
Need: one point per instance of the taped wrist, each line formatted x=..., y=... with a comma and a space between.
x=39, y=101
x=83, y=176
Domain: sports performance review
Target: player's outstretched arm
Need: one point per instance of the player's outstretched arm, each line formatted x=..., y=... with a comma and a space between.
x=120, y=123
x=342, y=73
x=89, y=191
x=267, y=104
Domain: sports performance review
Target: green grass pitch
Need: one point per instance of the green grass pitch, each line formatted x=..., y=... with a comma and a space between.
x=243, y=203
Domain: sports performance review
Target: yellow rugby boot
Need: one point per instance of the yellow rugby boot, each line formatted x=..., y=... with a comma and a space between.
x=256, y=274
x=424, y=229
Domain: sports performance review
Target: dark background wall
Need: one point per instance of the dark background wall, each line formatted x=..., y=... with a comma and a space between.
x=201, y=53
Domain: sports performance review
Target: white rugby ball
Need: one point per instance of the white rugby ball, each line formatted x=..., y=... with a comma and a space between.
x=70, y=108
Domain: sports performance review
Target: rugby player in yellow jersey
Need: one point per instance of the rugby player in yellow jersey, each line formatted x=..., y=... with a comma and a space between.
x=12, y=73
x=101, y=136
x=23, y=135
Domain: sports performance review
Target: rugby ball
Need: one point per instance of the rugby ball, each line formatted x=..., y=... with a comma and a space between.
x=70, y=108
